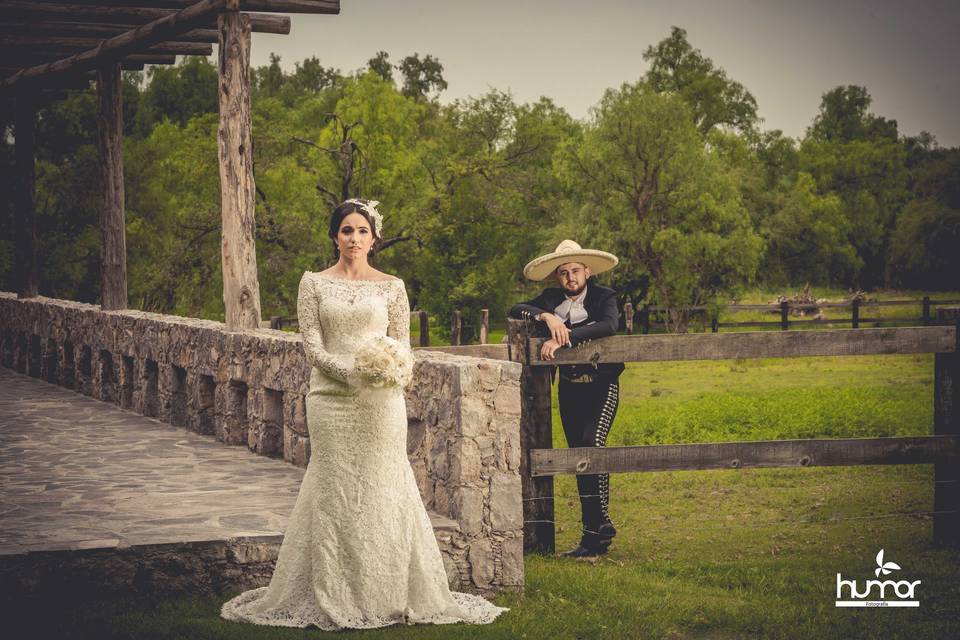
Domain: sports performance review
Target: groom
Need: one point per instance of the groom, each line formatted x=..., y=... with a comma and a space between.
x=577, y=311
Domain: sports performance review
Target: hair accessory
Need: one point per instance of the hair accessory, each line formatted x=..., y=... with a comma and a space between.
x=370, y=206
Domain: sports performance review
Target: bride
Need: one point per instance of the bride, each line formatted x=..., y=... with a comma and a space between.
x=359, y=550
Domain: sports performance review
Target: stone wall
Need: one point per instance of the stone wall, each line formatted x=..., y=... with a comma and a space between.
x=247, y=388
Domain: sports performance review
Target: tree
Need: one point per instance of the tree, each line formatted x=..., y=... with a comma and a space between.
x=713, y=98
x=660, y=200
x=178, y=93
x=844, y=117
x=267, y=80
x=923, y=246
x=858, y=156
x=380, y=65
x=311, y=77
x=421, y=77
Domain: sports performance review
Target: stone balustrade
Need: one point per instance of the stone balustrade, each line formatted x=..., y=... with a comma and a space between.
x=247, y=389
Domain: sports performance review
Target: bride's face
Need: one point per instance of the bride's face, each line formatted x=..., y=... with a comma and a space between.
x=355, y=237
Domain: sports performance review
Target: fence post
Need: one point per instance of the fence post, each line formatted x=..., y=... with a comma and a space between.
x=856, y=313
x=784, y=315
x=455, y=329
x=946, y=421
x=925, y=319
x=536, y=432
x=484, y=325
x=424, y=329
x=645, y=318
x=628, y=318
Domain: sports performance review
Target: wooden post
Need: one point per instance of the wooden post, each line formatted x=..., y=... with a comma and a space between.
x=241, y=288
x=925, y=311
x=113, y=235
x=536, y=432
x=628, y=318
x=484, y=325
x=24, y=216
x=455, y=328
x=856, y=313
x=784, y=315
x=424, y=329
x=946, y=421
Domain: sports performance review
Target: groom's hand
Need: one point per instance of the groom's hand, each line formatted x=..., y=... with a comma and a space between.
x=558, y=330
x=548, y=349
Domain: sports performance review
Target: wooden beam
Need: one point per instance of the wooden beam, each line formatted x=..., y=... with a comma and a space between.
x=68, y=45
x=238, y=254
x=20, y=59
x=65, y=26
x=119, y=46
x=21, y=10
x=752, y=344
x=739, y=455
x=113, y=245
x=279, y=6
x=536, y=432
x=24, y=216
x=92, y=30
x=946, y=423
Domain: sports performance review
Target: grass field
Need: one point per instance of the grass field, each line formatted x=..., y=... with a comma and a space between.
x=750, y=553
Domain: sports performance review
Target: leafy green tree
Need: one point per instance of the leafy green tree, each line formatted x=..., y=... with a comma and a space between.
x=268, y=79
x=857, y=156
x=380, y=65
x=845, y=117
x=660, y=200
x=923, y=247
x=178, y=93
x=714, y=99
x=310, y=77
x=421, y=77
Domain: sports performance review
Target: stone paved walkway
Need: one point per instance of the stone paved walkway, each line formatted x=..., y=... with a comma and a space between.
x=78, y=473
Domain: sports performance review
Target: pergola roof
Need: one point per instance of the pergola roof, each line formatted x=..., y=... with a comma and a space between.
x=47, y=44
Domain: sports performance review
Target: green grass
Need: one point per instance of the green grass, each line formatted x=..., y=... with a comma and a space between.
x=750, y=553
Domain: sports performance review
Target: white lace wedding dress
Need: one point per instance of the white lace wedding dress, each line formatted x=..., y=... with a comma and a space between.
x=359, y=550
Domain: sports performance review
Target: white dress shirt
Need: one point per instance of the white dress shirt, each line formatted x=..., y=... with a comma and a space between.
x=572, y=308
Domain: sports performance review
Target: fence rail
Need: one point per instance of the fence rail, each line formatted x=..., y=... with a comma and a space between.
x=539, y=461
x=421, y=319
x=740, y=455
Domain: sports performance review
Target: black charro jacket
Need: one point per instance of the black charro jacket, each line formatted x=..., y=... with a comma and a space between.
x=603, y=318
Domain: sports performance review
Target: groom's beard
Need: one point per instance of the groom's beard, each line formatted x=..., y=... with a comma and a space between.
x=574, y=294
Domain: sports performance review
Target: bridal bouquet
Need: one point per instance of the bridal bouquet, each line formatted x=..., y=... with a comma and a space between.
x=381, y=361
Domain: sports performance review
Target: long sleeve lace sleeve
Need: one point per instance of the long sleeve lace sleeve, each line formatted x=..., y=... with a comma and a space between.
x=398, y=312
x=312, y=334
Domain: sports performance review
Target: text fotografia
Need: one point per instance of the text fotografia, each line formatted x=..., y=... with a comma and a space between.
x=878, y=593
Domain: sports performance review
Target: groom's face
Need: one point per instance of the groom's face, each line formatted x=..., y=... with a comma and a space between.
x=572, y=277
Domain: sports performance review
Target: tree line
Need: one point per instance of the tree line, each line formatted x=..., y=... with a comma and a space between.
x=672, y=172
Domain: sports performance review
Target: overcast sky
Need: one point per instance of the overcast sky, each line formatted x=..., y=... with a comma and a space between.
x=787, y=53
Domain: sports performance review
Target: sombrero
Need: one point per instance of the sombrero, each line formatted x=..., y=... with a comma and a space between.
x=569, y=251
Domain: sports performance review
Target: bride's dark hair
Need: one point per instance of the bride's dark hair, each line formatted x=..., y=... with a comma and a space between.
x=342, y=211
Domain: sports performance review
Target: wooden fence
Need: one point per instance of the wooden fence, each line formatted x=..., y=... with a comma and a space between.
x=540, y=461
x=646, y=314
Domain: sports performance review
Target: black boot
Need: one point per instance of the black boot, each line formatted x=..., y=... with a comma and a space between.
x=593, y=543
x=605, y=534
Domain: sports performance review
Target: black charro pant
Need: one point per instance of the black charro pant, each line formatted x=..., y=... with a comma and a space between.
x=587, y=410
